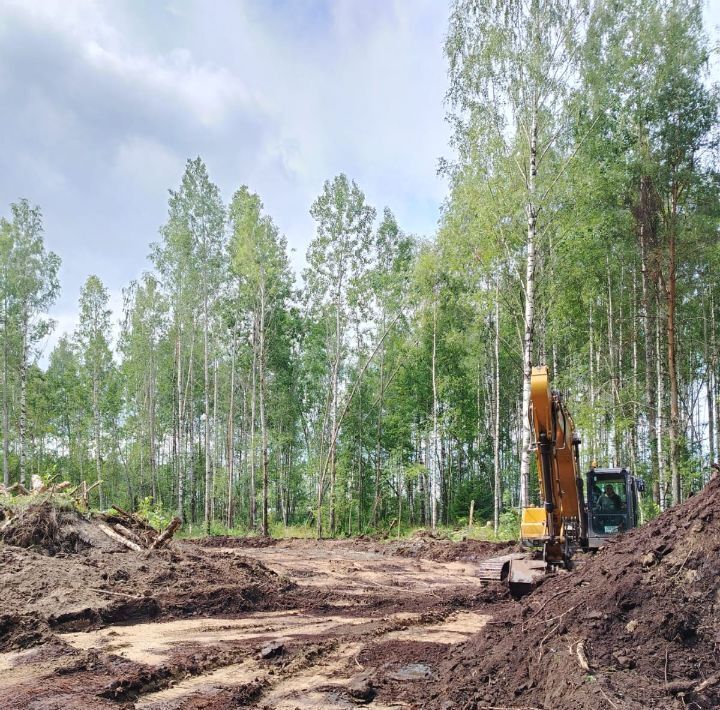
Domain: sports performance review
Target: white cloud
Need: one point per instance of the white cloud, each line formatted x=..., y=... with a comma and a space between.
x=110, y=99
x=209, y=92
x=147, y=164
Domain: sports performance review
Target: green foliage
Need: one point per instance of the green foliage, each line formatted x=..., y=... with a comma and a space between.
x=367, y=392
x=154, y=514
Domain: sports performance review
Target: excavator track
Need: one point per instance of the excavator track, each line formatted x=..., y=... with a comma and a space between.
x=521, y=570
x=496, y=569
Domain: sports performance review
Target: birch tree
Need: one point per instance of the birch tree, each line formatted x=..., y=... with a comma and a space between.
x=33, y=287
x=337, y=261
x=93, y=341
x=511, y=63
x=259, y=259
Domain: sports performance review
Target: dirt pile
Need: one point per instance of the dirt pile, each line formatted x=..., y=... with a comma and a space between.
x=250, y=541
x=60, y=572
x=636, y=626
x=440, y=550
x=50, y=528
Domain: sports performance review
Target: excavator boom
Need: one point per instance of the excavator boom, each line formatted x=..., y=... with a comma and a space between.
x=560, y=523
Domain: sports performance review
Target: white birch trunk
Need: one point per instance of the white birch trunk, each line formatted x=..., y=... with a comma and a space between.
x=529, y=316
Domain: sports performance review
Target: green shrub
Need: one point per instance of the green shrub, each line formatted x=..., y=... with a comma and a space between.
x=154, y=514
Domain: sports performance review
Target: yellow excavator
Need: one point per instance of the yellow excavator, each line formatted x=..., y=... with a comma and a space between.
x=551, y=532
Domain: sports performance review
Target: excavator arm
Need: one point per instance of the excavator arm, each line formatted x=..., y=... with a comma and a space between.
x=560, y=521
x=559, y=524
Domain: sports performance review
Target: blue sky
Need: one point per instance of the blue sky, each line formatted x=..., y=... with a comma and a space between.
x=102, y=102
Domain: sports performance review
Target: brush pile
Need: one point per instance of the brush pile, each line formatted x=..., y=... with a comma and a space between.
x=54, y=527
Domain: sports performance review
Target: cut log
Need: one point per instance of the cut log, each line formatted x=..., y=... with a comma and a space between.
x=129, y=534
x=38, y=486
x=61, y=486
x=166, y=534
x=119, y=538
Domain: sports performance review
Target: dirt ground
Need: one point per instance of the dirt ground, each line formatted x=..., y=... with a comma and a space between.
x=224, y=623
x=232, y=622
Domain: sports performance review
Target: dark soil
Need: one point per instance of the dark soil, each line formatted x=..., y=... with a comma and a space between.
x=250, y=541
x=51, y=529
x=447, y=550
x=644, y=613
x=59, y=572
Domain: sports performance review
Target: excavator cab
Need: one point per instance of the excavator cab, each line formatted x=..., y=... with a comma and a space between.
x=612, y=503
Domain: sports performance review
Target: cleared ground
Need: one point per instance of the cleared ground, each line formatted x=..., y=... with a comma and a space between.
x=230, y=623
x=343, y=624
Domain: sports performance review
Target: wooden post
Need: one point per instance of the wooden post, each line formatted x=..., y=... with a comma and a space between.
x=472, y=511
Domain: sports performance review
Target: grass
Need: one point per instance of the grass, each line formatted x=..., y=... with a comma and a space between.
x=59, y=500
x=508, y=532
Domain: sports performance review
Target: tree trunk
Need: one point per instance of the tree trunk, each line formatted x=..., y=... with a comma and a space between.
x=650, y=349
x=716, y=379
x=333, y=446
x=96, y=419
x=6, y=405
x=180, y=451
x=671, y=357
x=662, y=483
x=529, y=316
x=230, y=442
x=497, y=492
x=206, y=383
x=435, y=465
x=23, y=403
x=263, y=424
x=253, y=397
x=378, y=439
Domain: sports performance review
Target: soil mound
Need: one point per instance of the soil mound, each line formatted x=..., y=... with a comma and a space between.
x=636, y=626
x=251, y=541
x=439, y=550
x=49, y=528
x=60, y=572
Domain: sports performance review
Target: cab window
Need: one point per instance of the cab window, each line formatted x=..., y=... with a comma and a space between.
x=608, y=502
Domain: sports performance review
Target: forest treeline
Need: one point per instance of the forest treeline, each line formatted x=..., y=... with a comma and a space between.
x=390, y=380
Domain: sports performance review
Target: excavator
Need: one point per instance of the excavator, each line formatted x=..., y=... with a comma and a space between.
x=565, y=522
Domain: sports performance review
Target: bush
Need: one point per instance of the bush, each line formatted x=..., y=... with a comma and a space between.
x=154, y=514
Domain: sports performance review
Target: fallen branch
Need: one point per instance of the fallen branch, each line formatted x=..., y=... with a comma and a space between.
x=94, y=485
x=169, y=531
x=19, y=488
x=545, y=603
x=606, y=697
x=119, y=538
x=135, y=519
x=115, y=594
x=712, y=680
